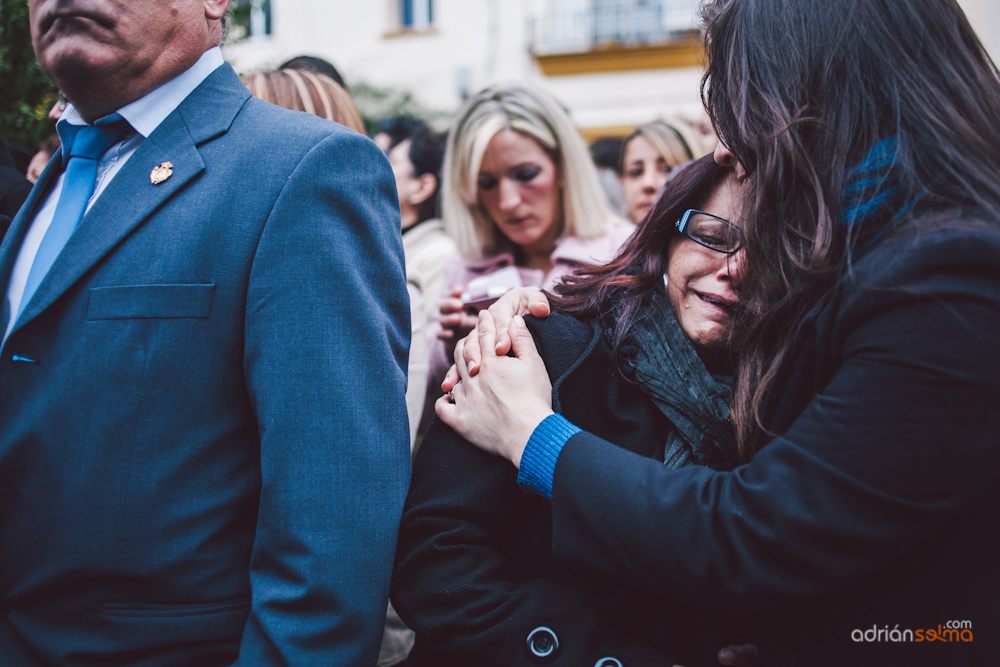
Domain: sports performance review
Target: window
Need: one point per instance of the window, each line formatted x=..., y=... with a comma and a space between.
x=416, y=14
x=249, y=19
x=582, y=25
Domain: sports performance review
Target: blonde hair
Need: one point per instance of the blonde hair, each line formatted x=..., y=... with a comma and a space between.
x=675, y=140
x=535, y=113
x=300, y=90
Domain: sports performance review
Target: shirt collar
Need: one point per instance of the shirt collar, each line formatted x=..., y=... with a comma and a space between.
x=146, y=113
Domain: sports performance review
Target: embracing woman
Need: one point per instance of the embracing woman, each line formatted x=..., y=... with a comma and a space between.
x=867, y=133
x=637, y=352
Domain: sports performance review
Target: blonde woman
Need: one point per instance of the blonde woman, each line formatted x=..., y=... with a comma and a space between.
x=518, y=190
x=300, y=90
x=650, y=153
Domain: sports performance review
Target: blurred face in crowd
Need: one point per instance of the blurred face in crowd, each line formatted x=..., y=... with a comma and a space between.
x=104, y=54
x=412, y=190
x=706, y=132
x=644, y=172
x=383, y=141
x=519, y=188
x=701, y=282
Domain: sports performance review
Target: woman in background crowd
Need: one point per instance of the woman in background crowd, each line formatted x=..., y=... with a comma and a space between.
x=650, y=153
x=520, y=191
x=862, y=532
x=634, y=359
x=302, y=90
x=391, y=130
x=416, y=164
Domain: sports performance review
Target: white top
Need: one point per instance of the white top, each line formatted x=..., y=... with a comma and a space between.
x=144, y=115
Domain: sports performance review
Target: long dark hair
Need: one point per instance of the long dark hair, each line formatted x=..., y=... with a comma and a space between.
x=801, y=91
x=626, y=284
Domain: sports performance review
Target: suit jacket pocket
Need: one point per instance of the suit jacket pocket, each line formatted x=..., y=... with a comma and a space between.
x=156, y=610
x=173, y=301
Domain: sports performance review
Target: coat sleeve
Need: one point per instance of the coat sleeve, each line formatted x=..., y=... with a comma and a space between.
x=326, y=337
x=899, y=442
x=416, y=376
x=461, y=582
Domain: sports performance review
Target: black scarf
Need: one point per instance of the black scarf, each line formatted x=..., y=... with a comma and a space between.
x=658, y=357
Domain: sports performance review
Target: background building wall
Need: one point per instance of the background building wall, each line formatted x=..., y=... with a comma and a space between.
x=474, y=43
x=984, y=15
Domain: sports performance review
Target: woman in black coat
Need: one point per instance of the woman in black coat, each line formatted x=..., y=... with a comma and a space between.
x=863, y=530
x=475, y=575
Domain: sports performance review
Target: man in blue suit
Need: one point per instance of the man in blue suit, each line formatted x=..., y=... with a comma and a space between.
x=203, y=435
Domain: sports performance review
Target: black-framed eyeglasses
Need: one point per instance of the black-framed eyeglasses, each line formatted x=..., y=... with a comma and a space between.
x=710, y=231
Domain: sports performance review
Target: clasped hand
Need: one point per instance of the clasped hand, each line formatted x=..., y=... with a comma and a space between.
x=499, y=400
x=498, y=408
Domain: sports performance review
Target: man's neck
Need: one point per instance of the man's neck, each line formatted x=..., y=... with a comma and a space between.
x=146, y=113
x=96, y=99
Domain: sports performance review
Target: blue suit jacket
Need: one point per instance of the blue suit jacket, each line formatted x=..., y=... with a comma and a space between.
x=203, y=440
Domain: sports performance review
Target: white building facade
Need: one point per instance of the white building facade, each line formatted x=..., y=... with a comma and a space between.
x=613, y=63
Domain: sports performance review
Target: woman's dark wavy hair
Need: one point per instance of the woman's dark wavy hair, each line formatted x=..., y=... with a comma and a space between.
x=626, y=284
x=800, y=91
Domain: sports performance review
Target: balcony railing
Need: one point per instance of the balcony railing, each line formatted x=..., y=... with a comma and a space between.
x=574, y=26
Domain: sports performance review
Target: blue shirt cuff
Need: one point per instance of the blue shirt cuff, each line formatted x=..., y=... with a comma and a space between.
x=538, y=461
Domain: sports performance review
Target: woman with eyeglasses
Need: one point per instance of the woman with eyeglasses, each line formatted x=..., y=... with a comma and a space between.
x=862, y=531
x=638, y=352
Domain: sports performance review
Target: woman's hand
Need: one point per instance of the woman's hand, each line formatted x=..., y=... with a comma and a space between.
x=518, y=301
x=456, y=322
x=498, y=409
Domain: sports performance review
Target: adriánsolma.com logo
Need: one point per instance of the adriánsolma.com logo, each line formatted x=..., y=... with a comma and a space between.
x=952, y=631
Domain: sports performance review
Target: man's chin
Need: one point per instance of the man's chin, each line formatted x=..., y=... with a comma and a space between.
x=66, y=63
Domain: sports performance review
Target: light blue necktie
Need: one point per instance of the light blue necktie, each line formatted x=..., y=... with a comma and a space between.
x=87, y=143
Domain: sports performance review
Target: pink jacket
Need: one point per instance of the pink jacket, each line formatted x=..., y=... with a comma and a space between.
x=570, y=252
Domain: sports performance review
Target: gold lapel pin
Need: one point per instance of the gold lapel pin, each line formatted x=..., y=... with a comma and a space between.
x=161, y=173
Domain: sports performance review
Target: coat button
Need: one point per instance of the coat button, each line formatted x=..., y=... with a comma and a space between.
x=543, y=644
x=608, y=662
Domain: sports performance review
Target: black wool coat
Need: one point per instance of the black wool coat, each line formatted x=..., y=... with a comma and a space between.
x=475, y=575
x=865, y=534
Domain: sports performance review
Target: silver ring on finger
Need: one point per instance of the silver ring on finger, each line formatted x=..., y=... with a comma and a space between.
x=451, y=394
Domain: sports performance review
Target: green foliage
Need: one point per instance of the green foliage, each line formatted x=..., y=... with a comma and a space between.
x=26, y=93
x=238, y=19
x=376, y=103
x=239, y=10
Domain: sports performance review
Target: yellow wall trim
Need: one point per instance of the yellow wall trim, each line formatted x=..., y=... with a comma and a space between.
x=592, y=134
x=686, y=53
x=410, y=32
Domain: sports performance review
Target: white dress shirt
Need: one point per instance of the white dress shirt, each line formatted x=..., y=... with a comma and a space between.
x=144, y=115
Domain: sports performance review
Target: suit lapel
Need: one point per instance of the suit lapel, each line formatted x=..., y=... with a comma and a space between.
x=131, y=198
x=127, y=201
